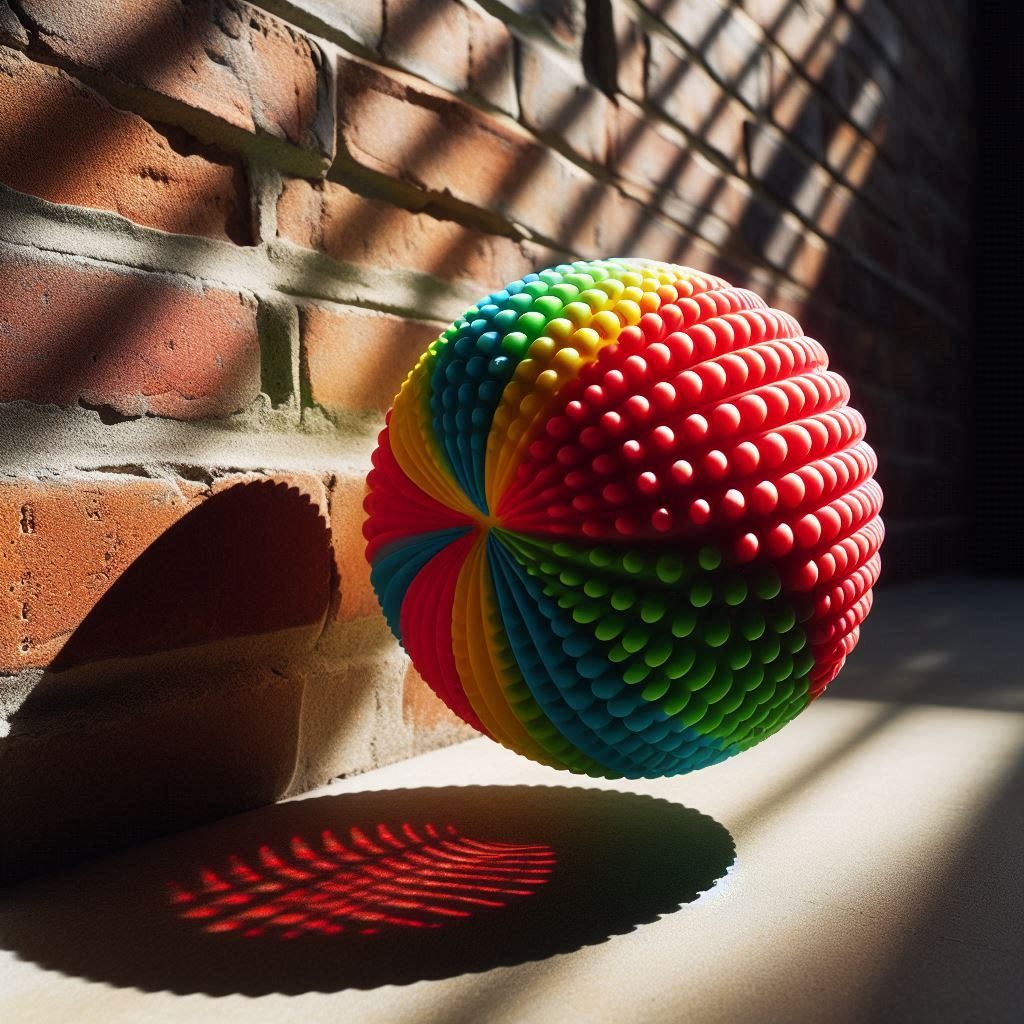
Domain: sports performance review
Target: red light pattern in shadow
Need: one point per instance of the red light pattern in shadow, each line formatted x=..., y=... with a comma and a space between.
x=417, y=878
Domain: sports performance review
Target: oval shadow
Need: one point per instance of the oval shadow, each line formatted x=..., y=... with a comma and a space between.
x=172, y=703
x=368, y=889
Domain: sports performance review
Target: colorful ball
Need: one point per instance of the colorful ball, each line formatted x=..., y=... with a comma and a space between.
x=623, y=519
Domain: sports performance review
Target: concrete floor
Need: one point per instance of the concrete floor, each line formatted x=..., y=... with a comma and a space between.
x=876, y=873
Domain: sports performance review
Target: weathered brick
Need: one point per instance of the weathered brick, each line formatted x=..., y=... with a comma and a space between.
x=557, y=102
x=431, y=41
x=300, y=214
x=221, y=58
x=801, y=32
x=796, y=182
x=356, y=598
x=130, y=342
x=774, y=237
x=71, y=540
x=430, y=719
x=797, y=109
x=102, y=567
x=830, y=50
x=362, y=22
x=696, y=22
x=400, y=127
x=563, y=20
x=734, y=55
x=352, y=228
x=630, y=52
x=817, y=128
x=492, y=61
x=679, y=87
x=62, y=142
x=12, y=32
x=458, y=48
x=648, y=154
x=623, y=225
x=355, y=360
x=838, y=59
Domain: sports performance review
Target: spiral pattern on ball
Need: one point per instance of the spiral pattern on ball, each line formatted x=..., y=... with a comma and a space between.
x=623, y=519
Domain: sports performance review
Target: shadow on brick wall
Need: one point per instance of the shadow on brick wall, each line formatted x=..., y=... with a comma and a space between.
x=878, y=300
x=172, y=702
x=912, y=394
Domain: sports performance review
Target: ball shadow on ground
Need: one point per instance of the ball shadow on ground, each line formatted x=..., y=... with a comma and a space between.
x=368, y=889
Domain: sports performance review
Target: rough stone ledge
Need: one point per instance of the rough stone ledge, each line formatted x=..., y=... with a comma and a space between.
x=77, y=440
x=271, y=267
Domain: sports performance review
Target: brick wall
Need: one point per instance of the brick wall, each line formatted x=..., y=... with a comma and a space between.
x=227, y=229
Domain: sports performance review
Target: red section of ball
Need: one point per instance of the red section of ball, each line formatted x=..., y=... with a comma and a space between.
x=716, y=420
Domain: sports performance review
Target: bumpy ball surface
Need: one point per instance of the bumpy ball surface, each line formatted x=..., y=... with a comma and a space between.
x=623, y=519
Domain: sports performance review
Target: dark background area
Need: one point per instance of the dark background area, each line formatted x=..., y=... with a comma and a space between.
x=998, y=387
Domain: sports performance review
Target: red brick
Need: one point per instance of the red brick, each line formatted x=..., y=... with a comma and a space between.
x=136, y=343
x=357, y=599
x=797, y=109
x=403, y=128
x=848, y=153
x=558, y=103
x=427, y=715
x=102, y=567
x=689, y=96
x=223, y=58
x=778, y=240
x=62, y=142
x=722, y=42
x=356, y=359
x=623, y=225
x=458, y=48
x=647, y=154
x=795, y=182
x=834, y=54
x=694, y=21
x=797, y=30
x=12, y=32
x=370, y=232
x=431, y=41
x=631, y=52
x=362, y=21
x=563, y=20
x=492, y=61
x=299, y=213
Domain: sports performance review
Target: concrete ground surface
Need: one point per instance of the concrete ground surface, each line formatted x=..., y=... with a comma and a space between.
x=876, y=876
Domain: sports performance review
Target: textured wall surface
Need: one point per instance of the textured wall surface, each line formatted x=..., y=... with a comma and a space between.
x=227, y=229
